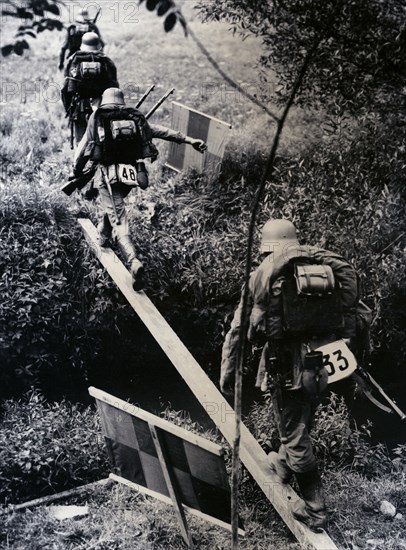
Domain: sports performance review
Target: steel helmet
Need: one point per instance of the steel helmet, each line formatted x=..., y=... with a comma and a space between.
x=277, y=231
x=83, y=16
x=90, y=42
x=112, y=96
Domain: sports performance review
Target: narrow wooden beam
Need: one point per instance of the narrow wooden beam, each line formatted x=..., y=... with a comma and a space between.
x=171, y=483
x=251, y=453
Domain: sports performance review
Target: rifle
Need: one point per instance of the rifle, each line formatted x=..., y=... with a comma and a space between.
x=362, y=377
x=159, y=103
x=96, y=17
x=144, y=97
x=78, y=182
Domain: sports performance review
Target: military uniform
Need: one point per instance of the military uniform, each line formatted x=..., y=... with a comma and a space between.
x=112, y=192
x=265, y=328
x=73, y=39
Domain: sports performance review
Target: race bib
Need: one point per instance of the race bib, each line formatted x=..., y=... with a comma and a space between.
x=338, y=360
x=126, y=173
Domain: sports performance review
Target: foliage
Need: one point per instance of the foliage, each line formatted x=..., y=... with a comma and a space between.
x=359, y=62
x=36, y=17
x=170, y=10
x=47, y=448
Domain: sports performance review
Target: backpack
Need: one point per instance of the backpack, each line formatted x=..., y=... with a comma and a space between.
x=311, y=301
x=124, y=136
x=75, y=36
x=88, y=74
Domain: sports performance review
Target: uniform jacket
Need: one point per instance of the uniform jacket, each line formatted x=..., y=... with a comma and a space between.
x=264, y=286
x=71, y=45
x=90, y=140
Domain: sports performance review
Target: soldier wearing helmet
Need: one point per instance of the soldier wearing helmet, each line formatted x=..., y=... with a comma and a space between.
x=83, y=24
x=117, y=139
x=88, y=73
x=288, y=344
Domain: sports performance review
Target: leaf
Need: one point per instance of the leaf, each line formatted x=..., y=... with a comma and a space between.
x=53, y=8
x=151, y=4
x=6, y=50
x=24, y=14
x=163, y=7
x=18, y=48
x=170, y=22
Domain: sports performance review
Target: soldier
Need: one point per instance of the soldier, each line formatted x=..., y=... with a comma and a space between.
x=88, y=73
x=117, y=139
x=74, y=36
x=299, y=297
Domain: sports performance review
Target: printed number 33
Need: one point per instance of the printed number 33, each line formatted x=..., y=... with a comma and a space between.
x=338, y=361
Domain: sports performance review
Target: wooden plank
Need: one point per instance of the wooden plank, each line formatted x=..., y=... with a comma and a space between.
x=167, y=500
x=251, y=453
x=159, y=422
x=171, y=483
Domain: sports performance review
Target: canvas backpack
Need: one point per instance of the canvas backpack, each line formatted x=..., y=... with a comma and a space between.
x=310, y=299
x=75, y=36
x=123, y=136
x=89, y=74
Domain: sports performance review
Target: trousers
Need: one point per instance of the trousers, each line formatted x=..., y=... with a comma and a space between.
x=113, y=206
x=298, y=414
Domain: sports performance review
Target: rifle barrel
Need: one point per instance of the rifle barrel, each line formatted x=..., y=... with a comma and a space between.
x=388, y=399
x=159, y=103
x=144, y=97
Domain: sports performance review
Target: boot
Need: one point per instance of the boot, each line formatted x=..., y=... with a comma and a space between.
x=104, y=230
x=312, y=512
x=279, y=467
x=136, y=267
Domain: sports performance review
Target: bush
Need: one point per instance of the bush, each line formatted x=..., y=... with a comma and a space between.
x=48, y=448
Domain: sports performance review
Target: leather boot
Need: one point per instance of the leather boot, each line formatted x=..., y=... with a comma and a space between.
x=312, y=511
x=136, y=267
x=279, y=467
x=104, y=230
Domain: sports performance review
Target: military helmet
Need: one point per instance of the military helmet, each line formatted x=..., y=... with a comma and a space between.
x=90, y=42
x=277, y=231
x=83, y=16
x=112, y=96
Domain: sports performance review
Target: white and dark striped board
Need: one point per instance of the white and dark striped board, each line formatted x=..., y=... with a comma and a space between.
x=197, y=125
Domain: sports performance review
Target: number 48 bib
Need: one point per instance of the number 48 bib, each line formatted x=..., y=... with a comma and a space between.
x=338, y=360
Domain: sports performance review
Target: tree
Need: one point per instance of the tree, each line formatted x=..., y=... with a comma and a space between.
x=361, y=63
x=35, y=17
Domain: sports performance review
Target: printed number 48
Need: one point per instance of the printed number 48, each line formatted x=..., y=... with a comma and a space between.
x=340, y=362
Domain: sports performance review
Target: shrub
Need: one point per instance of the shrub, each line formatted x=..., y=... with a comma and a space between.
x=48, y=448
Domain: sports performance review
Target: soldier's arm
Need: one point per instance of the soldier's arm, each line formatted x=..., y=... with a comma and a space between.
x=85, y=146
x=62, y=53
x=161, y=132
x=112, y=73
x=229, y=355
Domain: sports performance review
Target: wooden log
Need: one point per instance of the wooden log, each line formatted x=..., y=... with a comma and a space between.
x=57, y=496
x=251, y=453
